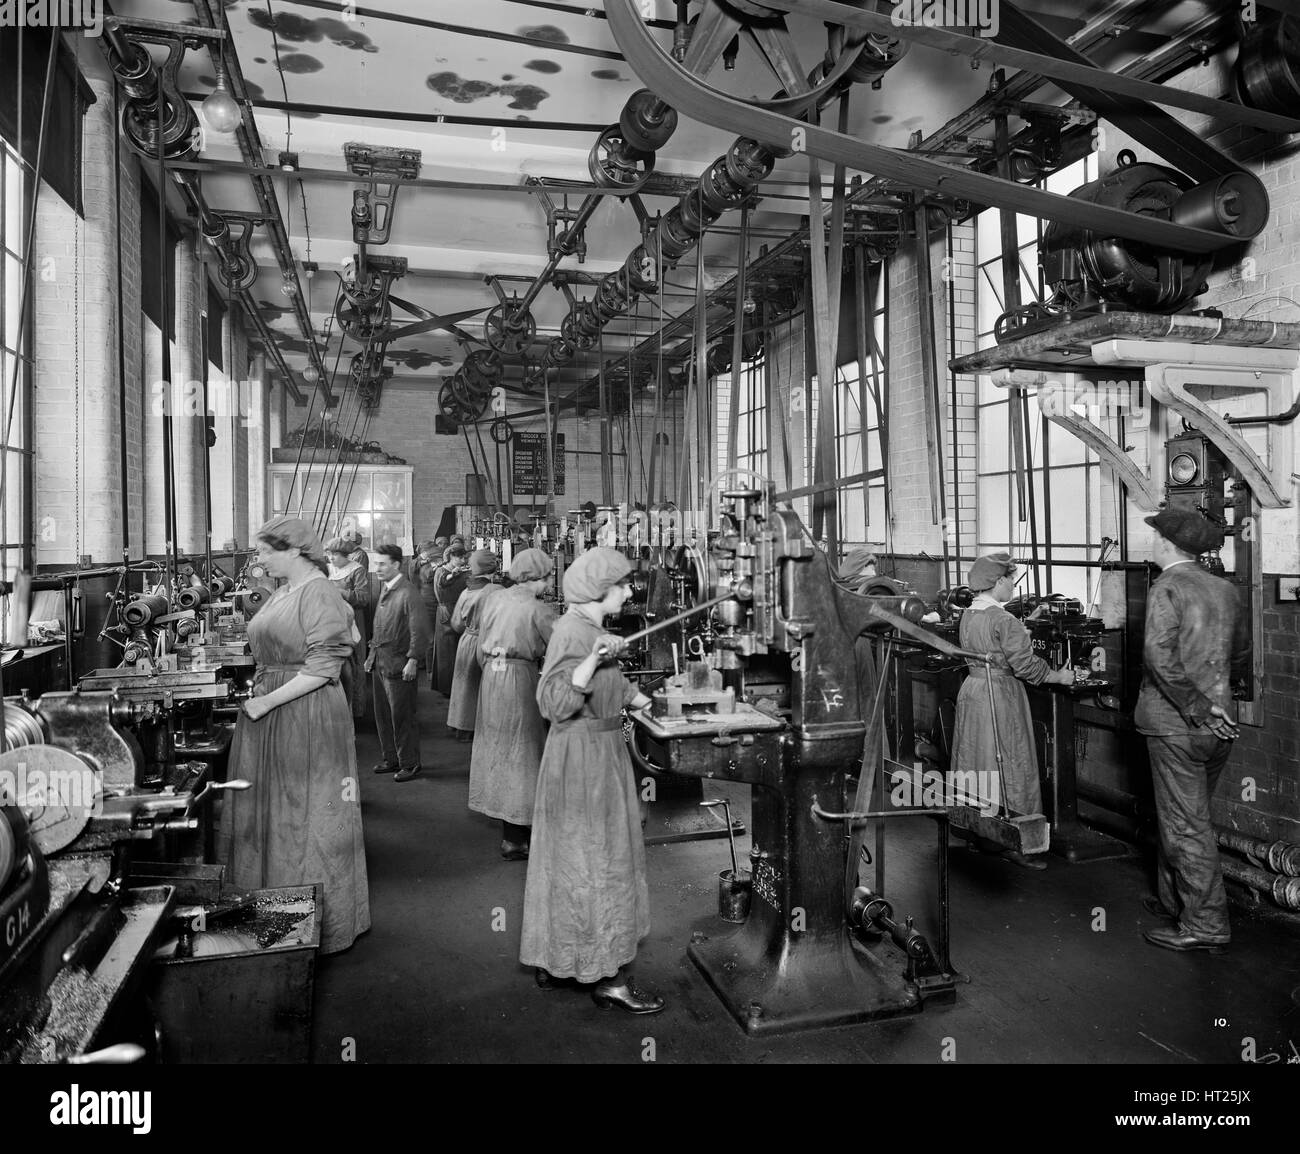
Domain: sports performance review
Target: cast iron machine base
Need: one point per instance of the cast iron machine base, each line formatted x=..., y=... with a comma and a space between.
x=797, y=962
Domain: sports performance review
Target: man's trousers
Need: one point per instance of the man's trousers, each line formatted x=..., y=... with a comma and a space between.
x=1185, y=769
x=395, y=719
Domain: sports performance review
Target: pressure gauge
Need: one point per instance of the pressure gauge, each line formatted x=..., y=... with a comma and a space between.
x=1183, y=469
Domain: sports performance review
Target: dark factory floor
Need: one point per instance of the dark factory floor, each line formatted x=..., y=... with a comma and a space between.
x=1058, y=971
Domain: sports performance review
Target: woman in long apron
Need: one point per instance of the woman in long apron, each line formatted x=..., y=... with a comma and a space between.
x=352, y=582
x=301, y=821
x=986, y=627
x=463, y=707
x=586, y=904
x=448, y=584
x=515, y=627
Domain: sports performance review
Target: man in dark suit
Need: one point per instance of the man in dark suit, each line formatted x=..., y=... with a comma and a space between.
x=399, y=636
x=1196, y=646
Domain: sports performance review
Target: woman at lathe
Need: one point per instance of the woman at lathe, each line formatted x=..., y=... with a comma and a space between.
x=586, y=904
x=515, y=626
x=300, y=823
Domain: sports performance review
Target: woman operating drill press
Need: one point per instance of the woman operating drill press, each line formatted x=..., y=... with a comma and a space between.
x=993, y=726
x=586, y=904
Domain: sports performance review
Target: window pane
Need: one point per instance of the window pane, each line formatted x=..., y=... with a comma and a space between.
x=1069, y=497
x=13, y=292
x=989, y=294
x=994, y=509
x=13, y=204
x=281, y=486
x=988, y=236
x=876, y=511
x=386, y=529
x=13, y=528
x=993, y=439
x=1065, y=447
x=358, y=523
x=851, y=514
x=874, y=458
x=390, y=491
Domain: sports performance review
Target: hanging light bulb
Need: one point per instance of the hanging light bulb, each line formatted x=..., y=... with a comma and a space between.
x=310, y=375
x=750, y=303
x=219, y=109
x=289, y=286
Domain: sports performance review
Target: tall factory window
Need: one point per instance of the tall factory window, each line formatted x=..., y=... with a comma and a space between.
x=15, y=371
x=751, y=416
x=858, y=403
x=1062, y=475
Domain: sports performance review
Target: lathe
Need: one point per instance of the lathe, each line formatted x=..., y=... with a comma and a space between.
x=792, y=726
x=77, y=792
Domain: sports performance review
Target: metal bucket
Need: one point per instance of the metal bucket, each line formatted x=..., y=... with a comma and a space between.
x=734, y=889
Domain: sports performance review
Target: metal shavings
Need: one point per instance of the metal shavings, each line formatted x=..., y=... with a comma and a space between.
x=78, y=1003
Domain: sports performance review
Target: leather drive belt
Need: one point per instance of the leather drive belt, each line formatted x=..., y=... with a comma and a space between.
x=1072, y=67
x=692, y=97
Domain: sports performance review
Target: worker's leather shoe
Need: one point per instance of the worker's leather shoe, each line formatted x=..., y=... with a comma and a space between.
x=1153, y=906
x=1015, y=857
x=383, y=767
x=514, y=851
x=548, y=981
x=1172, y=938
x=406, y=774
x=626, y=997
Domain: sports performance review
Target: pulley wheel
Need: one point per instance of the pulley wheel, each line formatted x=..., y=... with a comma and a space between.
x=614, y=163
x=501, y=431
x=509, y=329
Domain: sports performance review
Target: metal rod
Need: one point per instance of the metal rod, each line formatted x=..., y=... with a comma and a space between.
x=658, y=625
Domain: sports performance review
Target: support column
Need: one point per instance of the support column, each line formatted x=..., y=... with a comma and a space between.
x=259, y=448
x=188, y=425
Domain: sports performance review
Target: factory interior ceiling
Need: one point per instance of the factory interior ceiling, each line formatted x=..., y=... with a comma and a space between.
x=502, y=102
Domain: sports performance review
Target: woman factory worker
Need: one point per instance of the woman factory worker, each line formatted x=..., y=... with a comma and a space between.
x=300, y=822
x=479, y=588
x=992, y=706
x=586, y=905
x=514, y=628
x=352, y=582
x=448, y=584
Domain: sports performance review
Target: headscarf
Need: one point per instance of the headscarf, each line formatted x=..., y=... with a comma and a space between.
x=425, y=547
x=530, y=565
x=860, y=556
x=989, y=570
x=593, y=574
x=483, y=562
x=338, y=545
x=298, y=535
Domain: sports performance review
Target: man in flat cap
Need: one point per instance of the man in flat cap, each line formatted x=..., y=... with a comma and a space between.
x=1196, y=645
